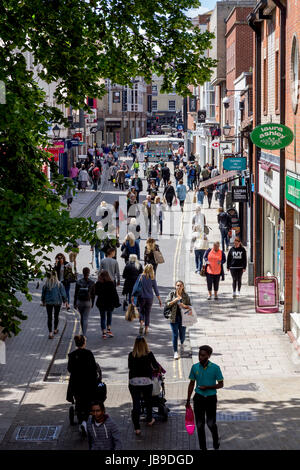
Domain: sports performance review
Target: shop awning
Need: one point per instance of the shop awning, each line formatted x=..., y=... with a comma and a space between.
x=218, y=179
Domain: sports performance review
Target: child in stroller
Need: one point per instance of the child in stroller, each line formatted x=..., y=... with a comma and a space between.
x=127, y=183
x=158, y=396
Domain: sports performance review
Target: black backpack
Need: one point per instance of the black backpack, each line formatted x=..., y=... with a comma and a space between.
x=84, y=291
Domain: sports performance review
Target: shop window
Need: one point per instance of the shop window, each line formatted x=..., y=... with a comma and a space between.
x=296, y=256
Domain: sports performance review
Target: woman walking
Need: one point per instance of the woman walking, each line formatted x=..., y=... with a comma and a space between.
x=64, y=274
x=169, y=194
x=131, y=272
x=158, y=214
x=177, y=299
x=143, y=289
x=198, y=219
x=214, y=258
x=83, y=381
x=237, y=263
x=199, y=243
x=53, y=294
x=107, y=301
x=210, y=192
x=135, y=228
x=149, y=257
x=200, y=196
x=83, y=178
x=84, y=298
x=130, y=247
x=141, y=365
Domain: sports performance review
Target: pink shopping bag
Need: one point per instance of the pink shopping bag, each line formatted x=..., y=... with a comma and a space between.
x=189, y=420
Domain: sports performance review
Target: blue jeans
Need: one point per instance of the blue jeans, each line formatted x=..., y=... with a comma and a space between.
x=177, y=330
x=200, y=197
x=106, y=318
x=199, y=259
x=84, y=310
x=97, y=253
x=67, y=287
x=190, y=183
x=224, y=237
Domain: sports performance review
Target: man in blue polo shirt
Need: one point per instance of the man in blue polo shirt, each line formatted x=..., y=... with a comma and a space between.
x=208, y=378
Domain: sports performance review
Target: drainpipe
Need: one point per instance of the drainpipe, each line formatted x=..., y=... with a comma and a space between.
x=258, y=46
x=282, y=8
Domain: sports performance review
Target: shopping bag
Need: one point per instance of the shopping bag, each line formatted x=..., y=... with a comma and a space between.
x=189, y=420
x=189, y=316
x=195, y=198
x=130, y=313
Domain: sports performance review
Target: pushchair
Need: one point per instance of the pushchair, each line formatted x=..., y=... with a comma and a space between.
x=127, y=182
x=99, y=395
x=158, y=400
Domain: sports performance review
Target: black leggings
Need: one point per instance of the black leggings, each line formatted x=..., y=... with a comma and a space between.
x=236, y=278
x=56, y=315
x=213, y=279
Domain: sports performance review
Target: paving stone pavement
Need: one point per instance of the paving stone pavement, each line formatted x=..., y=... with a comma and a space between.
x=257, y=408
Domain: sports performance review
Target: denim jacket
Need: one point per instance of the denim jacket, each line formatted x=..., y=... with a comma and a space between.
x=54, y=296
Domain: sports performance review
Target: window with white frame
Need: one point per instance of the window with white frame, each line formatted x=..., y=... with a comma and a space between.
x=154, y=105
x=172, y=105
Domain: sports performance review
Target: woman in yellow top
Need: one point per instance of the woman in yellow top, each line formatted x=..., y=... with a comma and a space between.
x=214, y=258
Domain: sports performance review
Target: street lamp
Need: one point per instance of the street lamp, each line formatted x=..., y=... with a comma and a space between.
x=56, y=131
x=226, y=129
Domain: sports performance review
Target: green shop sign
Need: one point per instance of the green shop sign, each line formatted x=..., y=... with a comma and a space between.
x=272, y=136
x=292, y=189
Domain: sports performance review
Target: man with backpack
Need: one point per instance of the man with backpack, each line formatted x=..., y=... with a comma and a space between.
x=96, y=176
x=165, y=171
x=205, y=173
x=84, y=298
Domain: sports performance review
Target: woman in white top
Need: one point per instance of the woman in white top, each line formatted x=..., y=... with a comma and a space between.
x=83, y=178
x=198, y=219
x=199, y=243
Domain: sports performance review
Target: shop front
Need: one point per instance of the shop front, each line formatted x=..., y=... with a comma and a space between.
x=272, y=250
x=293, y=200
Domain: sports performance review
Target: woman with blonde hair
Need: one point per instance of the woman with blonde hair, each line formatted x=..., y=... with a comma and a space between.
x=149, y=257
x=141, y=364
x=130, y=247
x=53, y=295
x=143, y=290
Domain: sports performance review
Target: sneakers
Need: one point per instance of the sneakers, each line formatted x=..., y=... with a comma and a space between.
x=109, y=334
x=141, y=330
x=209, y=297
x=238, y=294
x=104, y=335
x=176, y=355
x=233, y=295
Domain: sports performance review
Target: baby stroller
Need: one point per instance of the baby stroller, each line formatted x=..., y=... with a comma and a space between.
x=100, y=394
x=127, y=183
x=158, y=397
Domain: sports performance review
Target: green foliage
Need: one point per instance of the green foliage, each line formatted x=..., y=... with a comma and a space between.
x=75, y=43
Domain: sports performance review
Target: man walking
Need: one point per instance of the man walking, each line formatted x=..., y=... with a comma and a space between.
x=224, y=221
x=110, y=265
x=137, y=183
x=208, y=378
x=165, y=171
x=181, y=193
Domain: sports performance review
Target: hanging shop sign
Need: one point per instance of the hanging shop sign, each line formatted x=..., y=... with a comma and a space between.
x=272, y=136
x=239, y=193
x=236, y=163
x=215, y=144
x=292, y=189
x=268, y=185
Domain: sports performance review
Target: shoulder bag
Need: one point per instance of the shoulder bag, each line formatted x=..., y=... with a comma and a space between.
x=158, y=257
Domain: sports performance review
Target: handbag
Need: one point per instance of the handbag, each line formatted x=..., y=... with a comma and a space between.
x=137, y=288
x=189, y=420
x=124, y=252
x=203, y=271
x=156, y=387
x=206, y=229
x=158, y=257
x=195, y=198
x=167, y=312
x=130, y=313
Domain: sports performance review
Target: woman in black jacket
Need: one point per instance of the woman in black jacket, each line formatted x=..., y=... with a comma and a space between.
x=141, y=365
x=237, y=263
x=169, y=194
x=131, y=272
x=107, y=301
x=82, y=386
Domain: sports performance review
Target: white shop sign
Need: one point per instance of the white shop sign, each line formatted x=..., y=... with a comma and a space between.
x=268, y=186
